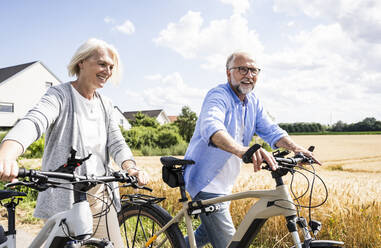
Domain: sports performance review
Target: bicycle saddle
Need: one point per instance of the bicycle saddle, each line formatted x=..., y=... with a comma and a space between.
x=171, y=162
x=5, y=194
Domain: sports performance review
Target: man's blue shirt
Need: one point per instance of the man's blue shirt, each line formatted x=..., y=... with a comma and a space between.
x=223, y=110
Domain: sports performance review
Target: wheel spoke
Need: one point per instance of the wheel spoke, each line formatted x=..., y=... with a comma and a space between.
x=141, y=222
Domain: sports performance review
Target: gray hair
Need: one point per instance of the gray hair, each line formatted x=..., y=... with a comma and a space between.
x=231, y=59
x=87, y=49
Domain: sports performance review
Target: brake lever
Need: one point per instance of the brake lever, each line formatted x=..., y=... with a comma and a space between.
x=32, y=185
x=18, y=183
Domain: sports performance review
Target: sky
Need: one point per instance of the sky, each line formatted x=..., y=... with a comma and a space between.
x=320, y=59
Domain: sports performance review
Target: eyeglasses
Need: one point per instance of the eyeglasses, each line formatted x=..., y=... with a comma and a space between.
x=243, y=70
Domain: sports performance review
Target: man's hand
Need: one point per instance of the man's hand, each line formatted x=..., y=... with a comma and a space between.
x=258, y=157
x=262, y=155
x=306, y=153
x=287, y=143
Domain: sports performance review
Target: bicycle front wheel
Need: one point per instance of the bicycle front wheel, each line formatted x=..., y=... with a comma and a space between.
x=138, y=223
x=97, y=243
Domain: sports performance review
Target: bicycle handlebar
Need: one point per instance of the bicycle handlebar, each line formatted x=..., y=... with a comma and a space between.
x=40, y=179
x=117, y=176
x=248, y=157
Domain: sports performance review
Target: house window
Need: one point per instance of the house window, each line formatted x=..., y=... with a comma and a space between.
x=48, y=85
x=7, y=107
x=121, y=122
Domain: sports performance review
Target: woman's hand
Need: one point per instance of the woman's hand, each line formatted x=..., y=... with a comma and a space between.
x=9, y=151
x=141, y=175
x=132, y=170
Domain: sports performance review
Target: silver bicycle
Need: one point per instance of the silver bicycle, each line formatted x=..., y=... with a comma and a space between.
x=71, y=228
x=271, y=203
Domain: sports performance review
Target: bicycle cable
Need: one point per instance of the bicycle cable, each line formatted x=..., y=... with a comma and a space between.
x=98, y=215
x=297, y=198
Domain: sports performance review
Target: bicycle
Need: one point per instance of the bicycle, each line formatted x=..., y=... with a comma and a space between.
x=71, y=228
x=271, y=203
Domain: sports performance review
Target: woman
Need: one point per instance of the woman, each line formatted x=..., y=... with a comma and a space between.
x=74, y=115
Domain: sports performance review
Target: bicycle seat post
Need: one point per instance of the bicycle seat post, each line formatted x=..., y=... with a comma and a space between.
x=11, y=208
x=180, y=177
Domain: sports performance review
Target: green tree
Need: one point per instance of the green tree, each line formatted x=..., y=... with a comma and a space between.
x=140, y=136
x=186, y=123
x=167, y=138
x=144, y=120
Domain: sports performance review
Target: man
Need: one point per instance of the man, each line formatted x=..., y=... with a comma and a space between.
x=230, y=116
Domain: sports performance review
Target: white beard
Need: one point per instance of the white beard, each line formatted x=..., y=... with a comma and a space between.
x=242, y=89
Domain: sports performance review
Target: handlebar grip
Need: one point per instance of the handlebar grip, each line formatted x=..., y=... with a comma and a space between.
x=23, y=172
x=248, y=156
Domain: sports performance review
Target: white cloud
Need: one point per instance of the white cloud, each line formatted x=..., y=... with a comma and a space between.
x=291, y=24
x=108, y=20
x=171, y=93
x=183, y=37
x=154, y=77
x=361, y=19
x=321, y=73
x=212, y=42
x=329, y=70
x=127, y=27
x=239, y=6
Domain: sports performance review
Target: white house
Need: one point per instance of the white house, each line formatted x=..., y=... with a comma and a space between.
x=122, y=120
x=158, y=114
x=21, y=87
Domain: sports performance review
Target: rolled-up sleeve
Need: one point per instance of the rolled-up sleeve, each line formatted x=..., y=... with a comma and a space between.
x=212, y=115
x=268, y=130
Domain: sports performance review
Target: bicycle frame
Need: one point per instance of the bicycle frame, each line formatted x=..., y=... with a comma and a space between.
x=253, y=220
x=77, y=222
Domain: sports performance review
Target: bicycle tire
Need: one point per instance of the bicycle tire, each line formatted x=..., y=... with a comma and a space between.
x=90, y=243
x=325, y=244
x=97, y=243
x=138, y=223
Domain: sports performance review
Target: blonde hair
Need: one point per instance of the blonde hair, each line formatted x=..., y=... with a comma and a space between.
x=86, y=50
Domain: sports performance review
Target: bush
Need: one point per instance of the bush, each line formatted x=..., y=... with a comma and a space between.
x=36, y=149
x=162, y=137
x=140, y=136
x=175, y=150
x=167, y=138
x=2, y=135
